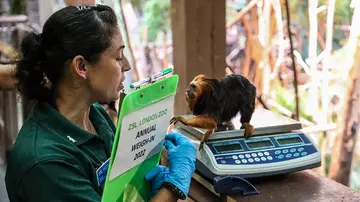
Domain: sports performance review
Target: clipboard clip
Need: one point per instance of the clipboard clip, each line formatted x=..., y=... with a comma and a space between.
x=151, y=79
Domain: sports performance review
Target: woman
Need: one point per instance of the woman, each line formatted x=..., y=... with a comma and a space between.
x=75, y=63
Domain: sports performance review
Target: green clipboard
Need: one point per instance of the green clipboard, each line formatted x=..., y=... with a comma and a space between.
x=143, y=120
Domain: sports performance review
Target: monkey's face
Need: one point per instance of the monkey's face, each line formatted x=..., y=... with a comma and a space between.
x=195, y=90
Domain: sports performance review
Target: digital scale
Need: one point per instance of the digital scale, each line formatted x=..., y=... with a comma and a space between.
x=277, y=146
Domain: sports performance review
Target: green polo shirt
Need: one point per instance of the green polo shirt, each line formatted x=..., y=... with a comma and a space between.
x=55, y=160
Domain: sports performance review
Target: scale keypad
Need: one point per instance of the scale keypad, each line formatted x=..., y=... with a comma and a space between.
x=269, y=156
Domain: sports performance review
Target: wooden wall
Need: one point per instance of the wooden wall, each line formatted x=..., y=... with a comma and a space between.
x=198, y=29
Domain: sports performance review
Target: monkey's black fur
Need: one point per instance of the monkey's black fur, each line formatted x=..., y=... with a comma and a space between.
x=225, y=98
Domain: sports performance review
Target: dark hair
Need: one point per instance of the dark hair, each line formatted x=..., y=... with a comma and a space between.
x=71, y=31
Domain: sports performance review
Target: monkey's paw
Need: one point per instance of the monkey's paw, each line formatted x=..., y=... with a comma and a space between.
x=176, y=119
x=249, y=130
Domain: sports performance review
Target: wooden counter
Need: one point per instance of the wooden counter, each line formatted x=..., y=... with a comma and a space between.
x=299, y=186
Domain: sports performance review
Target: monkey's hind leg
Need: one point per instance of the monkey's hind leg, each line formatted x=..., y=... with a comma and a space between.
x=249, y=129
x=246, y=112
x=245, y=123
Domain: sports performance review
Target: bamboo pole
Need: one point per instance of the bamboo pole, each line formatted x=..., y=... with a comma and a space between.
x=238, y=16
x=325, y=80
x=313, y=30
x=297, y=112
x=265, y=39
x=136, y=72
x=281, y=49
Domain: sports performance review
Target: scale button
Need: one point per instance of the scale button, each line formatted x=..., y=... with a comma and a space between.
x=292, y=150
x=296, y=154
x=280, y=156
x=237, y=161
x=277, y=152
x=241, y=156
x=301, y=149
x=303, y=153
x=223, y=161
x=244, y=161
x=266, y=153
x=288, y=155
x=285, y=151
x=257, y=159
x=247, y=155
x=270, y=157
x=263, y=158
x=260, y=154
x=254, y=155
x=234, y=157
x=250, y=160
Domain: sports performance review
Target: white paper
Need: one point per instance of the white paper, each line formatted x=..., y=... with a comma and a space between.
x=141, y=133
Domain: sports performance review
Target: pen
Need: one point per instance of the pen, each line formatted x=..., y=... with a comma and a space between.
x=139, y=83
x=161, y=73
x=153, y=77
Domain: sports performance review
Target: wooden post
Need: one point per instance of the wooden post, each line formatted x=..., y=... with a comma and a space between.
x=198, y=29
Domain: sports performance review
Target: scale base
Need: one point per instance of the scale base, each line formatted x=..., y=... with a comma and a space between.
x=225, y=185
x=233, y=184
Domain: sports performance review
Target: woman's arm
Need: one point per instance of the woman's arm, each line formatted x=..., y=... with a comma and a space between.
x=164, y=195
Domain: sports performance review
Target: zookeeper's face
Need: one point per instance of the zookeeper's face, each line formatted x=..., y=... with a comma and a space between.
x=106, y=77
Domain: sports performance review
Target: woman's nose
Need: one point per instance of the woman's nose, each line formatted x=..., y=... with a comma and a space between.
x=126, y=65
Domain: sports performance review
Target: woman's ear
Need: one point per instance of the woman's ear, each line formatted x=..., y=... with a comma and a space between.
x=80, y=66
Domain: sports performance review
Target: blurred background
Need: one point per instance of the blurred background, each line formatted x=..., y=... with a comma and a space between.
x=316, y=80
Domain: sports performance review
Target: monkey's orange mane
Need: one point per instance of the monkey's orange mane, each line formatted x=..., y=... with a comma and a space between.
x=202, y=86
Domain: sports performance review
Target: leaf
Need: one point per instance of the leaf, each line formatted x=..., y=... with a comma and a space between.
x=156, y=17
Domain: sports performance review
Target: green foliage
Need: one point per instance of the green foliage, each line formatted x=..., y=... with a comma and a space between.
x=355, y=175
x=18, y=7
x=327, y=165
x=156, y=17
x=137, y=3
x=300, y=16
x=299, y=12
x=286, y=98
x=343, y=12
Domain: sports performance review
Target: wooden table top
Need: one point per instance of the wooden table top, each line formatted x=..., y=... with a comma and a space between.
x=299, y=186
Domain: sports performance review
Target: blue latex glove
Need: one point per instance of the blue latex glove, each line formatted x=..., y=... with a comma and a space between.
x=181, y=158
x=156, y=176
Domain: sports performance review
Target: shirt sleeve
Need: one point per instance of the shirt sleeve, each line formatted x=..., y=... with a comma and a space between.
x=57, y=180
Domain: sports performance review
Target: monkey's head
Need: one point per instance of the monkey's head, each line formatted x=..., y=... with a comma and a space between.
x=201, y=92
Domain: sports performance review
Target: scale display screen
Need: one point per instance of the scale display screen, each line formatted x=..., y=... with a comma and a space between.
x=291, y=140
x=228, y=147
x=259, y=144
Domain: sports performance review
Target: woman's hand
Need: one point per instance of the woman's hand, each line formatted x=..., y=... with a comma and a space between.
x=181, y=158
x=156, y=176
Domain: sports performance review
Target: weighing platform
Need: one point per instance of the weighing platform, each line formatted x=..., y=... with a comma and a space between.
x=229, y=161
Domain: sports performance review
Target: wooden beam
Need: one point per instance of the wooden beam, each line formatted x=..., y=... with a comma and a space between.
x=198, y=29
x=13, y=19
x=240, y=14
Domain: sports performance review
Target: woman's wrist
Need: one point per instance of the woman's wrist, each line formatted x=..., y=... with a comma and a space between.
x=164, y=195
x=175, y=190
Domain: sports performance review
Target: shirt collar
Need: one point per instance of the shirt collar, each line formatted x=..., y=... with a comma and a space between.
x=51, y=118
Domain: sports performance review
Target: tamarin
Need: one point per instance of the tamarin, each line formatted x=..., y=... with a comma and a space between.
x=214, y=103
